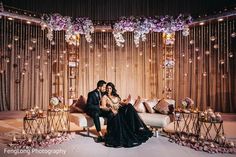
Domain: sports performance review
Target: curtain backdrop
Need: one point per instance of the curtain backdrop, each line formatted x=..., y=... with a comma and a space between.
x=33, y=69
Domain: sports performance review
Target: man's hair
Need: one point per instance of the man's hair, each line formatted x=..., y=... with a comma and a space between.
x=101, y=83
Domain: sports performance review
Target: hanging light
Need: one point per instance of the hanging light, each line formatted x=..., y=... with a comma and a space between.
x=9, y=46
x=233, y=35
x=207, y=52
x=34, y=40
x=191, y=42
x=201, y=23
x=18, y=56
x=222, y=62
x=212, y=38
x=216, y=46
x=10, y=18
x=16, y=38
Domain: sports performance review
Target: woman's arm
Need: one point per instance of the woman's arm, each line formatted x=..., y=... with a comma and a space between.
x=103, y=104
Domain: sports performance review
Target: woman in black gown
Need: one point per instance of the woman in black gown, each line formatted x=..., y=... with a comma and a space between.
x=125, y=128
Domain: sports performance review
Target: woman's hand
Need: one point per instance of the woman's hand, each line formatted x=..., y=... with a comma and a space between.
x=114, y=111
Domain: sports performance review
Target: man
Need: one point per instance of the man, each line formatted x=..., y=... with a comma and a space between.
x=94, y=109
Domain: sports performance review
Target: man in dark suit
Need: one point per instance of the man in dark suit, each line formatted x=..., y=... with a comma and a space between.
x=94, y=109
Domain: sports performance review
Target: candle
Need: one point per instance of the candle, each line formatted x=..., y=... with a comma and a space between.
x=58, y=134
x=36, y=108
x=47, y=137
x=201, y=137
x=212, y=145
x=177, y=115
x=231, y=144
x=33, y=113
x=29, y=139
x=23, y=132
x=65, y=108
x=193, y=140
x=213, y=117
x=40, y=113
x=209, y=110
x=39, y=132
x=14, y=139
x=218, y=117
x=182, y=138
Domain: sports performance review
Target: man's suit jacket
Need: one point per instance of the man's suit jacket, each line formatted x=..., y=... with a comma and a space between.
x=93, y=101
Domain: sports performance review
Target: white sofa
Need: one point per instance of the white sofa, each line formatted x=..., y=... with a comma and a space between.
x=154, y=120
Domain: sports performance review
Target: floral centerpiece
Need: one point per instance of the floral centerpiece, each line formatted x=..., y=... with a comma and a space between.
x=55, y=101
x=187, y=103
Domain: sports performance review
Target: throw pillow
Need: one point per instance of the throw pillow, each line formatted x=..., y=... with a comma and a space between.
x=162, y=107
x=139, y=106
x=149, y=104
x=79, y=105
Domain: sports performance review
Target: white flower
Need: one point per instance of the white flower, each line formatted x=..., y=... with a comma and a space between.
x=184, y=103
x=54, y=101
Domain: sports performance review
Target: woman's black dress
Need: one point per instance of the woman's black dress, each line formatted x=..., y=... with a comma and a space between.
x=126, y=129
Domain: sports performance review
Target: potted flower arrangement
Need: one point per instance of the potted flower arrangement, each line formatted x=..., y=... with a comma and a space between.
x=55, y=102
x=187, y=104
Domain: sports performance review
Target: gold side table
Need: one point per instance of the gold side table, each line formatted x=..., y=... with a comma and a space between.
x=58, y=120
x=189, y=120
x=35, y=125
x=211, y=130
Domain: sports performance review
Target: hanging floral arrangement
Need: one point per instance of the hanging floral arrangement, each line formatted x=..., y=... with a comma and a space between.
x=142, y=26
x=79, y=26
x=74, y=29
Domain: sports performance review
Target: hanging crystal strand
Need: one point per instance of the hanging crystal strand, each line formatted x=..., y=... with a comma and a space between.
x=36, y=65
x=31, y=67
x=44, y=63
x=207, y=65
x=218, y=50
x=16, y=81
x=227, y=45
x=230, y=30
x=2, y=101
x=201, y=59
x=4, y=72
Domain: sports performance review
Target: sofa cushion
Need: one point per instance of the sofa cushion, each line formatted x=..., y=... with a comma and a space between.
x=83, y=120
x=79, y=105
x=162, y=107
x=149, y=104
x=155, y=119
x=165, y=106
x=139, y=106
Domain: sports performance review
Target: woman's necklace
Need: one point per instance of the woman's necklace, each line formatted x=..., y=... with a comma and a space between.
x=113, y=102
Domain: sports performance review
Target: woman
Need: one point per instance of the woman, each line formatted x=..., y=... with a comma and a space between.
x=125, y=129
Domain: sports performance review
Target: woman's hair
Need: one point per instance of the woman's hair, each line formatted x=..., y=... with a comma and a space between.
x=114, y=91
